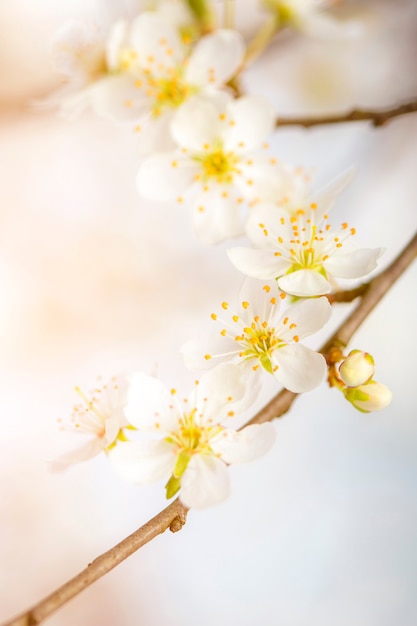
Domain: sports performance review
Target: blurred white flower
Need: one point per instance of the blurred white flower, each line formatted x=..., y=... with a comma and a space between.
x=100, y=418
x=87, y=54
x=262, y=337
x=300, y=250
x=163, y=74
x=308, y=17
x=193, y=447
x=218, y=162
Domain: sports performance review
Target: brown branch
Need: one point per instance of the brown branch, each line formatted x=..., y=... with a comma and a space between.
x=174, y=516
x=348, y=295
x=378, y=118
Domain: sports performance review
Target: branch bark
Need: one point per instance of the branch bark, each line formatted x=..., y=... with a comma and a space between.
x=378, y=118
x=174, y=515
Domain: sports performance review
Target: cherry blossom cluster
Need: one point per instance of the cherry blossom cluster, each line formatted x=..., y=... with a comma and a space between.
x=173, y=75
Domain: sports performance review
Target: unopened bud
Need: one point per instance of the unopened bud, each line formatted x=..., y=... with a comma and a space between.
x=357, y=368
x=369, y=397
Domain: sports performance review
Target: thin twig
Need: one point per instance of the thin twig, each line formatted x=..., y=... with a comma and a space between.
x=174, y=516
x=348, y=295
x=378, y=118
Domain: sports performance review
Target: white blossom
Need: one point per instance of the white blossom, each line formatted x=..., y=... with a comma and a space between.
x=218, y=163
x=188, y=446
x=300, y=249
x=99, y=420
x=91, y=55
x=261, y=336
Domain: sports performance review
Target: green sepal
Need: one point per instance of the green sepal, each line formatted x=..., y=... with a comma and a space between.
x=202, y=12
x=266, y=362
x=172, y=487
x=353, y=395
x=120, y=437
x=181, y=465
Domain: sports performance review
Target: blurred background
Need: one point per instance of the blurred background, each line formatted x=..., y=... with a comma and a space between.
x=96, y=281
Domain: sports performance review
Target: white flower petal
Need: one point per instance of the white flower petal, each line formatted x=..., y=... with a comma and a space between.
x=112, y=428
x=246, y=445
x=217, y=215
x=149, y=403
x=196, y=124
x=310, y=316
x=258, y=263
x=165, y=176
x=71, y=105
x=155, y=134
x=85, y=452
x=257, y=294
x=205, y=482
x=177, y=14
x=195, y=351
x=250, y=120
x=268, y=218
x=156, y=42
x=353, y=264
x=304, y=283
x=143, y=462
x=215, y=58
x=253, y=384
x=217, y=392
x=326, y=196
x=256, y=176
x=300, y=369
x=116, y=38
x=117, y=98
x=77, y=47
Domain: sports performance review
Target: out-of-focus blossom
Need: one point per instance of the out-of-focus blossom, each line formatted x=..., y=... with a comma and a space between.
x=162, y=73
x=218, y=164
x=86, y=54
x=99, y=418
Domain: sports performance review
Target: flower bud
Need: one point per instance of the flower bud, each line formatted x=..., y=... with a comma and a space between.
x=357, y=368
x=369, y=397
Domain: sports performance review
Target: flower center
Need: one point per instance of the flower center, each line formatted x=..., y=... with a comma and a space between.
x=219, y=165
x=190, y=438
x=307, y=245
x=165, y=91
x=170, y=92
x=259, y=342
